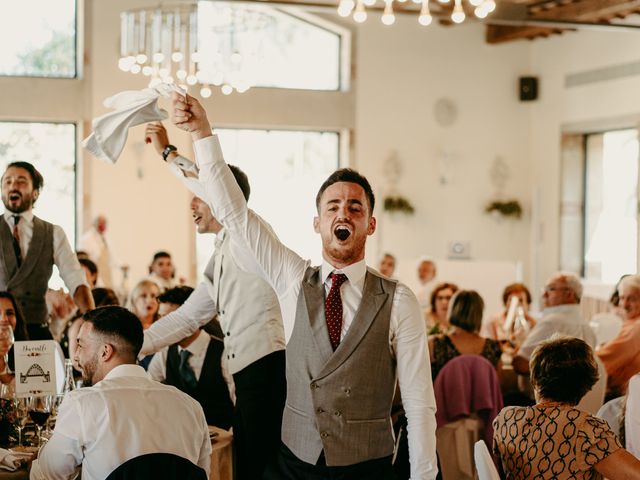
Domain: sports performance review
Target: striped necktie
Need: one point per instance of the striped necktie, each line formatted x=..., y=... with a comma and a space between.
x=16, y=240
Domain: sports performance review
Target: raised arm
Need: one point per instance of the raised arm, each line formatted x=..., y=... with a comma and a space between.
x=280, y=266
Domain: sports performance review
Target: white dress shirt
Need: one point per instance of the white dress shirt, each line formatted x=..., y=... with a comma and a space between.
x=198, y=348
x=284, y=269
x=561, y=319
x=122, y=417
x=632, y=417
x=63, y=256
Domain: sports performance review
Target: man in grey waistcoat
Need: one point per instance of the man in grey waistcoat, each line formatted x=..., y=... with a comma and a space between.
x=30, y=247
x=351, y=332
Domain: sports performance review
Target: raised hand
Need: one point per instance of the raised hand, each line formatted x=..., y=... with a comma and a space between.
x=156, y=135
x=188, y=115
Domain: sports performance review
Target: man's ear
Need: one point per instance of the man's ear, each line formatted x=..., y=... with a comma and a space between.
x=107, y=352
x=316, y=224
x=35, y=194
x=372, y=225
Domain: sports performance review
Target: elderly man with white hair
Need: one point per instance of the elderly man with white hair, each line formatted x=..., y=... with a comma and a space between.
x=621, y=356
x=561, y=300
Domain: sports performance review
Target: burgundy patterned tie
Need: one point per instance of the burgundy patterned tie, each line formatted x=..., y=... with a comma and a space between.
x=16, y=240
x=333, y=309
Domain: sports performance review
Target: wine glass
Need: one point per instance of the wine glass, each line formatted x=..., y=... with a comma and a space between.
x=39, y=411
x=6, y=341
x=56, y=400
x=21, y=406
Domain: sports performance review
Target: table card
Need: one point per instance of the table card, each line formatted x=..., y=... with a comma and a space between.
x=35, y=368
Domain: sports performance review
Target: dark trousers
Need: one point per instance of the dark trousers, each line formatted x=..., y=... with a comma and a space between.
x=289, y=467
x=39, y=331
x=261, y=390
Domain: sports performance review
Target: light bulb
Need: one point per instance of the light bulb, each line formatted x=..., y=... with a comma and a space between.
x=401, y=1
x=177, y=56
x=490, y=5
x=192, y=80
x=147, y=70
x=123, y=64
x=227, y=89
x=236, y=58
x=205, y=92
x=388, y=18
x=141, y=58
x=135, y=68
x=425, y=20
x=476, y=3
x=417, y=1
x=425, y=17
x=443, y=1
x=458, y=16
x=218, y=78
x=480, y=12
x=158, y=57
x=181, y=74
x=360, y=17
x=369, y=3
x=345, y=7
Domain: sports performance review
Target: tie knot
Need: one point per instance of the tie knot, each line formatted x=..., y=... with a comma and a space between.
x=16, y=219
x=184, y=355
x=337, y=279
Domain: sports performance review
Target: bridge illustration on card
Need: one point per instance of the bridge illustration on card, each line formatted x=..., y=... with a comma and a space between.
x=35, y=371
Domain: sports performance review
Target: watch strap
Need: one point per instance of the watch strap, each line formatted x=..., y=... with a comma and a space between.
x=167, y=150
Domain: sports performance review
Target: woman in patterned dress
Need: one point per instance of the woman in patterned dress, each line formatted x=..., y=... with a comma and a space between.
x=553, y=439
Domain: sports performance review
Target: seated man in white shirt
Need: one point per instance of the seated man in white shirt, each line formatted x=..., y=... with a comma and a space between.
x=561, y=301
x=124, y=414
x=194, y=365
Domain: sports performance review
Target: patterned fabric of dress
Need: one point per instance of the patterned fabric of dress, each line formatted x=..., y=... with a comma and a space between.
x=444, y=350
x=551, y=441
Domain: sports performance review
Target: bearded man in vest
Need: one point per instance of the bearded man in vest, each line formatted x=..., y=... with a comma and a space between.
x=30, y=247
x=352, y=333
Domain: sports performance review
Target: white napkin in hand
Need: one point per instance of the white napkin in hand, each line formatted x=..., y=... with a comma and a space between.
x=13, y=460
x=131, y=108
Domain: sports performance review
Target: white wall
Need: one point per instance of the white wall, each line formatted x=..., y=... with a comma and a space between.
x=401, y=72
x=593, y=105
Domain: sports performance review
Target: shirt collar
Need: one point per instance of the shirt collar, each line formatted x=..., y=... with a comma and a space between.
x=199, y=345
x=26, y=216
x=354, y=272
x=126, y=370
x=567, y=308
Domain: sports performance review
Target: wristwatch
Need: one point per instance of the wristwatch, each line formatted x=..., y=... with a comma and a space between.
x=167, y=150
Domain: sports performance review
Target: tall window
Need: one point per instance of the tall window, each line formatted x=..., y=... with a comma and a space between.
x=278, y=49
x=285, y=170
x=38, y=38
x=51, y=148
x=599, y=217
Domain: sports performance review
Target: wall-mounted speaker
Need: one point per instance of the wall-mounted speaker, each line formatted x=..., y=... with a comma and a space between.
x=528, y=89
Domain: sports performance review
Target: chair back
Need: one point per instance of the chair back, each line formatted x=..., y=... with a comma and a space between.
x=594, y=398
x=158, y=465
x=484, y=463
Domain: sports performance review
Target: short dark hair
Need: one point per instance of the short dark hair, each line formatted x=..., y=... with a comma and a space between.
x=466, y=310
x=176, y=295
x=242, y=180
x=120, y=327
x=160, y=254
x=36, y=177
x=89, y=264
x=563, y=369
x=351, y=176
x=513, y=289
x=104, y=296
x=438, y=288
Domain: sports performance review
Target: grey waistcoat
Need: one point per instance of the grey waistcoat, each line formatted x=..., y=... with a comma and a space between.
x=29, y=282
x=340, y=402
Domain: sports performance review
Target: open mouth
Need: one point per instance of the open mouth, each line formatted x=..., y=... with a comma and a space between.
x=196, y=219
x=13, y=196
x=342, y=232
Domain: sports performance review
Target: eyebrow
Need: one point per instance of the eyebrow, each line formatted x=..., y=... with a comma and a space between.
x=349, y=200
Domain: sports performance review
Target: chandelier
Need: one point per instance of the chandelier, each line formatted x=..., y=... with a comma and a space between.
x=482, y=8
x=208, y=43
